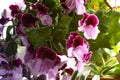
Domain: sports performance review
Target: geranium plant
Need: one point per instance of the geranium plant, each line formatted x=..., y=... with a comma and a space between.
x=57, y=36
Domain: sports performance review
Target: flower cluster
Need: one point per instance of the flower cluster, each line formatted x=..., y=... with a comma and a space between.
x=38, y=28
x=10, y=70
x=77, y=47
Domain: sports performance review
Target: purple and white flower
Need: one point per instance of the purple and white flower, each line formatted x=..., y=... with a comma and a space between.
x=42, y=12
x=89, y=25
x=10, y=70
x=78, y=48
x=44, y=62
x=42, y=9
x=77, y=5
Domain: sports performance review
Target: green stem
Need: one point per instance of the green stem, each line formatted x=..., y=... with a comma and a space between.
x=103, y=61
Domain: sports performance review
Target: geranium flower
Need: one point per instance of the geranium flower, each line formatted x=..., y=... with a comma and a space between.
x=42, y=9
x=77, y=5
x=45, y=61
x=66, y=68
x=28, y=20
x=77, y=47
x=42, y=12
x=10, y=70
x=14, y=10
x=89, y=25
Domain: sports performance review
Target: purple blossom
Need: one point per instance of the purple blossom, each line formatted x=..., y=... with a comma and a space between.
x=14, y=10
x=15, y=74
x=29, y=53
x=4, y=20
x=77, y=47
x=89, y=25
x=42, y=9
x=22, y=35
x=66, y=68
x=25, y=42
x=45, y=52
x=28, y=20
x=74, y=40
x=46, y=20
x=45, y=61
x=10, y=70
x=77, y=5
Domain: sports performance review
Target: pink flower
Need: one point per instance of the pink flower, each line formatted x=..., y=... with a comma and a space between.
x=46, y=20
x=78, y=48
x=77, y=5
x=89, y=25
x=45, y=61
x=66, y=68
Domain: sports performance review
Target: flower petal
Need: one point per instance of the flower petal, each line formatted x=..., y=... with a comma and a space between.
x=80, y=8
x=91, y=32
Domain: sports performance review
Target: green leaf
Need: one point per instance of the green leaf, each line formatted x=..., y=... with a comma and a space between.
x=62, y=28
x=74, y=75
x=48, y=3
x=112, y=70
x=102, y=41
x=117, y=70
x=8, y=35
x=39, y=36
x=107, y=69
x=97, y=56
x=10, y=48
x=114, y=25
x=74, y=23
x=32, y=1
x=59, y=33
x=115, y=38
x=94, y=69
x=103, y=20
x=85, y=75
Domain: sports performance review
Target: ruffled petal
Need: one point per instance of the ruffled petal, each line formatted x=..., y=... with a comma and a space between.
x=91, y=32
